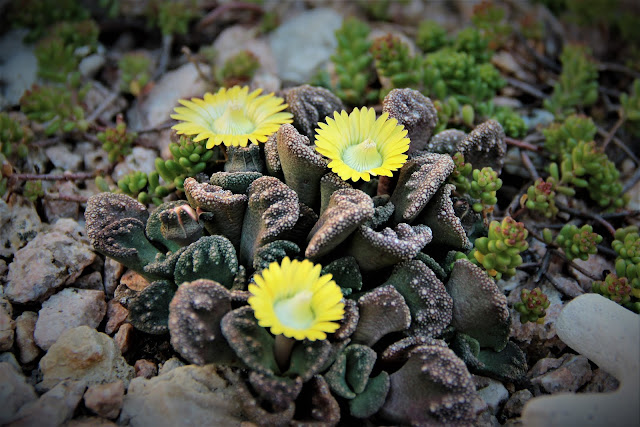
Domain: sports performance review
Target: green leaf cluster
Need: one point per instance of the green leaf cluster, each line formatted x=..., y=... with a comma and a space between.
x=189, y=159
x=532, y=306
x=615, y=288
x=431, y=36
x=144, y=187
x=38, y=15
x=394, y=64
x=483, y=187
x=59, y=108
x=630, y=108
x=460, y=175
x=14, y=137
x=578, y=242
x=135, y=72
x=563, y=137
x=117, y=141
x=172, y=17
x=541, y=197
x=238, y=69
x=627, y=246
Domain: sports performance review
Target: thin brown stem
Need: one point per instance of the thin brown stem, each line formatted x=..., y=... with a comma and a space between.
x=529, y=165
x=211, y=17
x=620, y=145
x=574, y=265
x=590, y=215
x=103, y=106
x=526, y=87
x=522, y=144
x=79, y=176
x=613, y=131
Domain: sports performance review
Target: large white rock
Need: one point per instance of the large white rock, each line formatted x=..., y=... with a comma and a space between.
x=607, y=334
x=302, y=44
x=18, y=67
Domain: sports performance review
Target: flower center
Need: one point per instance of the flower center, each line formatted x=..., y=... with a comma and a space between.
x=362, y=157
x=296, y=312
x=233, y=122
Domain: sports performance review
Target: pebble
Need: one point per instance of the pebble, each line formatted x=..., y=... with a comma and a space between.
x=7, y=325
x=94, y=157
x=56, y=209
x=572, y=373
x=196, y=394
x=538, y=117
x=18, y=67
x=494, y=395
x=84, y=353
x=15, y=392
x=145, y=368
x=601, y=382
x=63, y=158
x=513, y=407
x=90, y=65
x=91, y=281
x=105, y=400
x=181, y=83
x=28, y=351
x=48, y=262
x=311, y=32
x=116, y=316
x=123, y=337
x=111, y=279
x=19, y=223
x=66, y=310
x=90, y=422
x=52, y=408
x=169, y=365
x=606, y=333
x=134, y=281
x=140, y=160
x=10, y=358
x=239, y=38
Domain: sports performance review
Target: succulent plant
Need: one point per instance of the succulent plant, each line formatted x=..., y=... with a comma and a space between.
x=483, y=187
x=473, y=42
x=394, y=64
x=431, y=36
x=460, y=174
x=189, y=159
x=563, y=137
x=630, y=108
x=117, y=141
x=540, y=197
x=615, y=288
x=135, y=72
x=578, y=242
x=238, y=69
x=38, y=15
x=627, y=246
x=14, y=137
x=532, y=305
x=58, y=108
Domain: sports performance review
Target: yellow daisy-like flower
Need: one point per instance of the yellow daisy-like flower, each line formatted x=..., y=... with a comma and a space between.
x=360, y=146
x=231, y=117
x=294, y=300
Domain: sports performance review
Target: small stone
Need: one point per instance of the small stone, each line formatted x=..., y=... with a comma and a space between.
x=90, y=422
x=25, y=327
x=68, y=309
x=494, y=394
x=105, y=400
x=52, y=408
x=113, y=270
x=15, y=392
x=7, y=325
x=18, y=67
x=63, y=158
x=94, y=158
x=169, y=365
x=91, y=64
x=140, y=160
x=235, y=39
x=134, y=281
x=19, y=223
x=56, y=209
x=84, y=353
x=570, y=376
x=116, y=315
x=145, y=368
x=197, y=395
x=601, y=382
x=513, y=407
x=123, y=337
x=91, y=281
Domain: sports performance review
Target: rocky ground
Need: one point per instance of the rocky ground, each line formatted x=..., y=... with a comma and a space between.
x=70, y=356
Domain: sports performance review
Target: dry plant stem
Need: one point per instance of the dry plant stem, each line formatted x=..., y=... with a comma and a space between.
x=544, y=265
x=161, y=126
x=613, y=131
x=527, y=164
x=67, y=197
x=619, y=68
x=192, y=59
x=522, y=144
x=46, y=142
x=210, y=17
x=167, y=41
x=103, y=106
x=538, y=57
x=282, y=351
x=620, y=145
x=607, y=251
x=79, y=176
x=574, y=265
x=526, y=87
x=632, y=181
x=620, y=214
x=590, y=215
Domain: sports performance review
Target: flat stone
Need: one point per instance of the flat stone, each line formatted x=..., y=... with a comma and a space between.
x=311, y=32
x=116, y=315
x=56, y=209
x=84, y=353
x=600, y=330
x=19, y=223
x=190, y=395
x=68, y=309
x=7, y=325
x=28, y=351
x=48, y=262
x=140, y=160
x=105, y=400
x=145, y=368
x=63, y=158
x=15, y=392
x=90, y=422
x=123, y=337
x=91, y=64
x=91, y=281
x=494, y=394
x=52, y=408
x=573, y=373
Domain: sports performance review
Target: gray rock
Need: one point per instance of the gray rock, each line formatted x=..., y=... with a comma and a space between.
x=141, y=159
x=18, y=67
x=14, y=392
x=90, y=422
x=601, y=382
x=19, y=223
x=57, y=209
x=238, y=38
x=62, y=157
x=537, y=118
x=570, y=376
x=25, y=326
x=10, y=358
x=494, y=394
x=66, y=310
x=155, y=109
x=90, y=281
x=7, y=325
x=113, y=270
x=52, y=408
x=48, y=262
x=91, y=64
x=105, y=399
x=190, y=395
x=599, y=329
x=84, y=353
x=312, y=36
x=513, y=407
x=169, y=365
x=94, y=157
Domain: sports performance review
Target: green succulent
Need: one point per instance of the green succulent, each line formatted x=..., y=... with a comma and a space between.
x=33, y=190
x=630, y=108
x=354, y=63
x=135, y=72
x=144, y=187
x=540, y=197
x=172, y=17
x=532, y=305
x=483, y=187
x=617, y=289
x=394, y=64
x=473, y=42
x=57, y=107
x=563, y=137
x=512, y=123
x=116, y=141
x=489, y=18
x=431, y=36
x=627, y=246
x=460, y=175
x=577, y=85
x=238, y=69
x=578, y=242
x=189, y=159
x=38, y=15
x=499, y=252
x=14, y=137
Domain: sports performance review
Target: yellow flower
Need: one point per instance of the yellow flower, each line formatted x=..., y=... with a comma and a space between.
x=294, y=300
x=231, y=117
x=360, y=146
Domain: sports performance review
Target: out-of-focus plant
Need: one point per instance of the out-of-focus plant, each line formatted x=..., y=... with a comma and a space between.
x=117, y=141
x=394, y=64
x=173, y=16
x=58, y=108
x=135, y=72
x=238, y=69
x=490, y=19
x=431, y=36
x=33, y=190
x=38, y=15
x=563, y=137
x=630, y=108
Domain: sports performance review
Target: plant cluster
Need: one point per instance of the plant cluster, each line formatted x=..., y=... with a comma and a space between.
x=491, y=20
x=431, y=36
x=237, y=70
x=541, y=197
x=630, y=108
x=483, y=187
x=39, y=15
x=189, y=159
x=627, y=246
x=561, y=138
x=59, y=108
x=117, y=141
x=394, y=64
x=146, y=188
x=532, y=305
x=578, y=242
x=291, y=267
x=172, y=17
x=135, y=72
